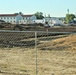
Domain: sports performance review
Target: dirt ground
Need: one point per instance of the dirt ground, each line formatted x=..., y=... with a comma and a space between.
x=54, y=57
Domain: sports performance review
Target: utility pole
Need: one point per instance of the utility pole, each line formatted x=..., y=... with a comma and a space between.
x=68, y=11
x=68, y=14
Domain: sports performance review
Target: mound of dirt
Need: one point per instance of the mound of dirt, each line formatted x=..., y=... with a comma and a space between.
x=65, y=43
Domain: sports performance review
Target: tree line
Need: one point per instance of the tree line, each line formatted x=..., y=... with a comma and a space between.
x=68, y=17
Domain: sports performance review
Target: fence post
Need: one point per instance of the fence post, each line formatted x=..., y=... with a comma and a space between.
x=36, y=51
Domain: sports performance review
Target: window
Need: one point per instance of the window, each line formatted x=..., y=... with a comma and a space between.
x=28, y=17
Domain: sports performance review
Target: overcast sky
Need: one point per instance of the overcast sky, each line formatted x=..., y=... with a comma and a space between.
x=56, y=8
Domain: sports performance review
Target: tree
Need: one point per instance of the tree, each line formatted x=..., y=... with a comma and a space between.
x=72, y=16
x=69, y=17
x=16, y=13
x=39, y=15
x=20, y=13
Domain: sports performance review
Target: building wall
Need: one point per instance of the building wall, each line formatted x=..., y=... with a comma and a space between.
x=18, y=17
x=27, y=20
x=10, y=19
x=39, y=21
x=33, y=17
x=53, y=20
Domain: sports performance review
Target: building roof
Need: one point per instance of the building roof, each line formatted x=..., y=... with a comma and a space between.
x=8, y=14
x=27, y=15
x=15, y=15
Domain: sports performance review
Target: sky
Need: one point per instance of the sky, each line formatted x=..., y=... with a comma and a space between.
x=56, y=8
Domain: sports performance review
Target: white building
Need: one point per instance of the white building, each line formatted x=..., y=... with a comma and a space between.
x=27, y=19
x=17, y=18
x=50, y=20
x=53, y=21
x=39, y=21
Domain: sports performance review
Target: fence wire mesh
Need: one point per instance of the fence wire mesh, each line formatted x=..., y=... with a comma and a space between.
x=37, y=53
x=17, y=39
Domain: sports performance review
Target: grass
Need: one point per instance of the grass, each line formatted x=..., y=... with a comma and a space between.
x=55, y=57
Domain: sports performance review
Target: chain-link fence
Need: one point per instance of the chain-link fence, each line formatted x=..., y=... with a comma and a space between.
x=37, y=53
